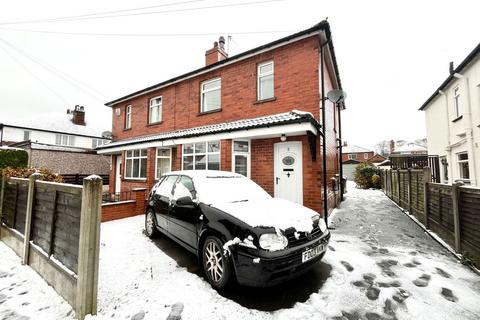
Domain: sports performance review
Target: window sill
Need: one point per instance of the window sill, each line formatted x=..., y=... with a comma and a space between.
x=208, y=112
x=455, y=120
x=154, y=123
x=126, y=129
x=265, y=100
x=135, y=179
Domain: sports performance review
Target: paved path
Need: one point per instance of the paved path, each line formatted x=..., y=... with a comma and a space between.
x=393, y=268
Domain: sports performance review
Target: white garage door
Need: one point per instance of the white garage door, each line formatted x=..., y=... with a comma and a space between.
x=349, y=171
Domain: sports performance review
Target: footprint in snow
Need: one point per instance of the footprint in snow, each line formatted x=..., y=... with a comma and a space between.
x=347, y=266
x=423, y=280
x=448, y=294
x=372, y=293
x=401, y=295
x=442, y=272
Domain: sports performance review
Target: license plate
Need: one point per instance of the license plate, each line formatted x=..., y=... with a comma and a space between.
x=312, y=253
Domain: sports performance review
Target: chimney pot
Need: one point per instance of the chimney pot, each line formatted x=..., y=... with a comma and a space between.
x=392, y=146
x=217, y=53
x=450, y=68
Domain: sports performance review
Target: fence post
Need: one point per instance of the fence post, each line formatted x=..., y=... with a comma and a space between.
x=409, y=190
x=399, y=183
x=89, y=247
x=427, y=178
x=28, y=216
x=391, y=184
x=2, y=194
x=456, y=213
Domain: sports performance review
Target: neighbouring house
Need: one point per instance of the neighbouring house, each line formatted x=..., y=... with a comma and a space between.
x=352, y=155
x=377, y=159
x=61, y=142
x=257, y=113
x=409, y=155
x=452, y=115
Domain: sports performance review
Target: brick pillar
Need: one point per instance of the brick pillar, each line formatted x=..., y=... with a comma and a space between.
x=140, y=198
x=226, y=155
x=113, y=170
x=151, y=158
x=177, y=160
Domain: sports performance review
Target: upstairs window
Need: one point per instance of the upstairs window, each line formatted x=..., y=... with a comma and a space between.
x=98, y=142
x=155, y=110
x=136, y=164
x=365, y=156
x=26, y=135
x=64, y=140
x=265, y=81
x=211, y=95
x=128, y=117
x=456, y=102
x=201, y=156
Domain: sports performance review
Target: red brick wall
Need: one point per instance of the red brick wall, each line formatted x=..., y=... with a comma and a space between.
x=295, y=81
x=122, y=210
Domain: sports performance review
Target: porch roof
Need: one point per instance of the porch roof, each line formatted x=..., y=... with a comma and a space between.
x=293, y=117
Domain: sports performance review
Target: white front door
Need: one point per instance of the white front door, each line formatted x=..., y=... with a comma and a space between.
x=288, y=177
x=118, y=174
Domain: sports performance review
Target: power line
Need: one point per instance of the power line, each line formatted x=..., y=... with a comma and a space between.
x=58, y=73
x=101, y=13
x=58, y=95
x=145, y=34
x=99, y=16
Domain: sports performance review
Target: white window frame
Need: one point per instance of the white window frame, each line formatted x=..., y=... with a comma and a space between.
x=460, y=162
x=133, y=157
x=162, y=157
x=27, y=133
x=158, y=107
x=98, y=142
x=203, y=91
x=64, y=140
x=352, y=156
x=248, y=154
x=128, y=117
x=456, y=102
x=265, y=74
x=365, y=156
x=206, y=153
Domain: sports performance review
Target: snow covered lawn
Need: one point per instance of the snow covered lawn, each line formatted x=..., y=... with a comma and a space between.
x=380, y=265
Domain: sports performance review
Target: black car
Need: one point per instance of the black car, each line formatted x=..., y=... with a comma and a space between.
x=236, y=229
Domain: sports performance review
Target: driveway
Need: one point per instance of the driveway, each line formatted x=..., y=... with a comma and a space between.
x=380, y=265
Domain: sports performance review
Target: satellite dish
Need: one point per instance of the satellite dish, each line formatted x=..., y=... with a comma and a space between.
x=336, y=96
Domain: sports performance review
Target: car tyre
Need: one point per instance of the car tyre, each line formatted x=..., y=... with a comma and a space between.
x=150, y=225
x=216, y=264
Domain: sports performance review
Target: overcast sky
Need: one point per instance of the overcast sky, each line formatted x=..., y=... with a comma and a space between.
x=392, y=55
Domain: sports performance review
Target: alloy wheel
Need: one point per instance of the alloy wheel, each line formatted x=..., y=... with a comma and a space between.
x=150, y=223
x=214, y=261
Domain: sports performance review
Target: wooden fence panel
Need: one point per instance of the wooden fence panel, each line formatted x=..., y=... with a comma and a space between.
x=440, y=211
x=10, y=203
x=469, y=207
x=21, y=207
x=43, y=215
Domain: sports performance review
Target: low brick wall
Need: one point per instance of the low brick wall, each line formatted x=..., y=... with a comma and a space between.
x=125, y=209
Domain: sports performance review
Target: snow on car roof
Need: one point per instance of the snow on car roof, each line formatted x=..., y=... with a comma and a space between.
x=199, y=174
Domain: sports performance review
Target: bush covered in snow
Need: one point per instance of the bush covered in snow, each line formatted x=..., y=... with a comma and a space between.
x=12, y=157
x=46, y=174
x=367, y=176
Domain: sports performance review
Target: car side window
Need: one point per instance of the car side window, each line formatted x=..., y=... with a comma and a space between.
x=165, y=187
x=184, y=188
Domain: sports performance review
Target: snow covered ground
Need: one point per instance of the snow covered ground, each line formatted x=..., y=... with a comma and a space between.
x=380, y=265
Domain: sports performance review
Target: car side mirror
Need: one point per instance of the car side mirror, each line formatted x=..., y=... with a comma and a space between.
x=185, y=202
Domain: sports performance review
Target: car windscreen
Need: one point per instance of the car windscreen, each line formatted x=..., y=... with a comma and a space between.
x=218, y=189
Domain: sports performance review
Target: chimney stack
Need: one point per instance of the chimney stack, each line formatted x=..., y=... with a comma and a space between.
x=450, y=67
x=78, y=115
x=217, y=53
x=392, y=146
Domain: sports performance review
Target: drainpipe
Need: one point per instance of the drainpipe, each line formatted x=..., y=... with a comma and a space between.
x=340, y=149
x=448, y=149
x=1, y=134
x=324, y=140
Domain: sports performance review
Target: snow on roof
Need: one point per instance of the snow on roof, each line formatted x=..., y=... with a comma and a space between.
x=354, y=149
x=9, y=148
x=293, y=116
x=59, y=122
x=50, y=147
x=410, y=147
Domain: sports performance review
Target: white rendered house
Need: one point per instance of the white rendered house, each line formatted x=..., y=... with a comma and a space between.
x=452, y=116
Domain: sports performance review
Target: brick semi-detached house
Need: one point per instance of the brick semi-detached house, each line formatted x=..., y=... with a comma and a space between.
x=257, y=113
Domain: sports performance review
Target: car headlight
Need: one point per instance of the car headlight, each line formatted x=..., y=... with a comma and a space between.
x=321, y=223
x=273, y=242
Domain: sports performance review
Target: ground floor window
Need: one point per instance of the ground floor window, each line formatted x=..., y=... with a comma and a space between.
x=463, y=164
x=201, y=156
x=163, y=162
x=136, y=164
x=241, y=157
x=352, y=156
